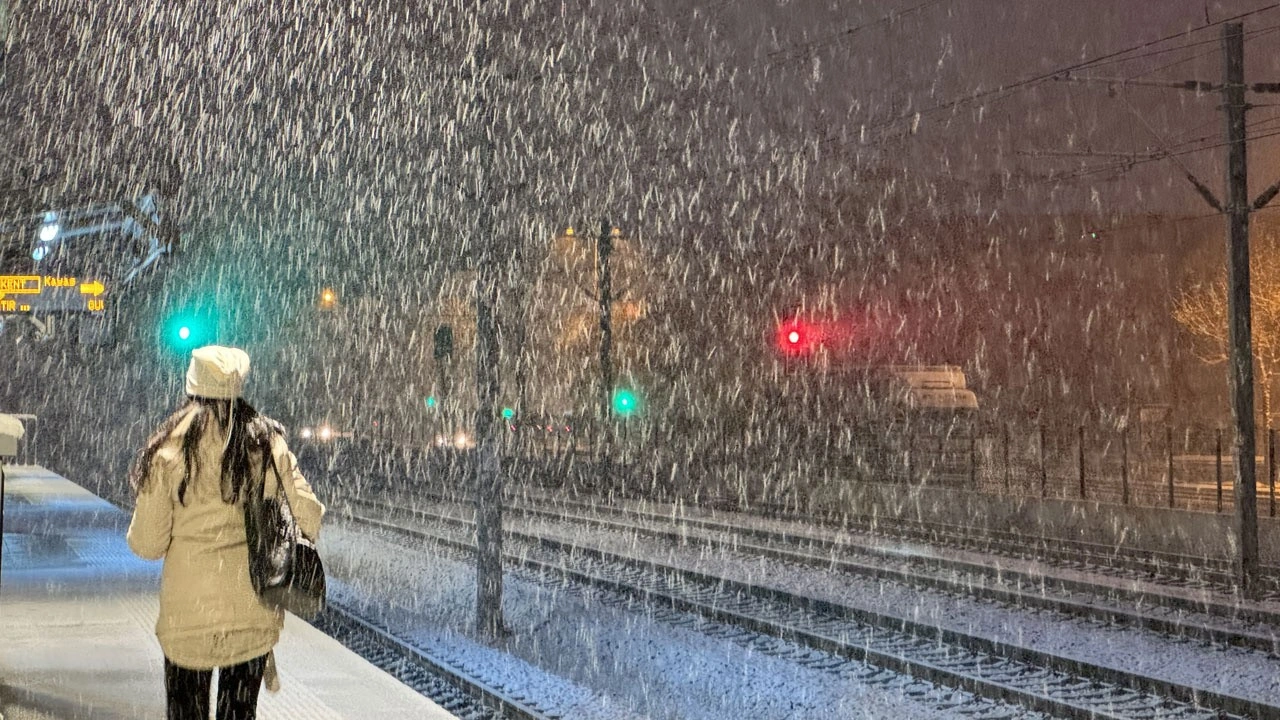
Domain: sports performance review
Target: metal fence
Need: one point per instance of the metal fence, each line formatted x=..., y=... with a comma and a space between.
x=1188, y=467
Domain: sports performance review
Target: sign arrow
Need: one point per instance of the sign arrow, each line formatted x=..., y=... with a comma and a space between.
x=94, y=288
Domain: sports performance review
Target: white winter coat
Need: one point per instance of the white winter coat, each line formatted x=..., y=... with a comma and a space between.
x=210, y=615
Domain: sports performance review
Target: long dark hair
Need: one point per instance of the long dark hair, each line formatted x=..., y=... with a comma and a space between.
x=251, y=434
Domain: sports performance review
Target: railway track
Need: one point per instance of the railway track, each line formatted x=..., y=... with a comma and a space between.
x=1000, y=672
x=467, y=694
x=1174, y=570
x=1157, y=606
x=1196, y=616
x=1189, y=571
x=1170, y=568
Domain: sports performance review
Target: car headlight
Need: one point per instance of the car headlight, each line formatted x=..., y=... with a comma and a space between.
x=306, y=433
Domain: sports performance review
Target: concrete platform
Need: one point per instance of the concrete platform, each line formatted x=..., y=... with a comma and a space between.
x=77, y=618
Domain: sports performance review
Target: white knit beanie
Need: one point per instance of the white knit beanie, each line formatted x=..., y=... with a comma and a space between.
x=217, y=372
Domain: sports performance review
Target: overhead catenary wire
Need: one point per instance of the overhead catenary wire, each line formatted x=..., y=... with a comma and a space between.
x=1008, y=89
x=1149, y=153
x=805, y=50
x=1172, y=151
x=1200, y=187
x=864, y=139
x=1167, y=150
x=1250, y=36
x=1128, y=165
x=1126, y=54
x=1215, y=42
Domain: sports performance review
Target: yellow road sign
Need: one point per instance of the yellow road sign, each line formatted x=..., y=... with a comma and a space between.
x=50, y=293
x=19, y=285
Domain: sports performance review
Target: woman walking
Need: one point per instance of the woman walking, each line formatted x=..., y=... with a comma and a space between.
x=191, y=480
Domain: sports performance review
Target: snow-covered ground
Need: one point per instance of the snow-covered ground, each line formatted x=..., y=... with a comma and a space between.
x=1242, y=673
x=1231, y=671
x=601, y=659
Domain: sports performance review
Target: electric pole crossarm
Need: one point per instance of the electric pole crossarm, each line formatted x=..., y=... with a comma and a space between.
x=1267, y=196
x=1206, y=193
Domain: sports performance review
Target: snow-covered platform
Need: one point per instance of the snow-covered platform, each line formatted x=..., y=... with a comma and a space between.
x=77, y=617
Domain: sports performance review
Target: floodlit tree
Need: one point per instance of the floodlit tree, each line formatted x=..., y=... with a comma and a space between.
x=1201, y=308
x=568, y=277
x=555, y=298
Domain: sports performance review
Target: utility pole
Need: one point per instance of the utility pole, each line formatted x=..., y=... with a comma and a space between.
x=443, y=420
x=487, y=468
x=1239, y=312
x=443, y=355
x=604, y=249
x=520, y=278
x=488, y=481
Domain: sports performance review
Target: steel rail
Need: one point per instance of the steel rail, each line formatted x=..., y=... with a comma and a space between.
x=1067, y=551
x=1003, y=574
x=1216, y=571
x=1040, y=681
x=464, y=695
x=1028, y=590
x=1031, y=589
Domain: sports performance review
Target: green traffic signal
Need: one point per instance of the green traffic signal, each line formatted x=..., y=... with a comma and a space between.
x=187, y=331
x=508, y=413
x=625, y=402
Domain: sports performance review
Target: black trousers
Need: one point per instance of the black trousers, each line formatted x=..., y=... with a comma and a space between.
x=238, y=685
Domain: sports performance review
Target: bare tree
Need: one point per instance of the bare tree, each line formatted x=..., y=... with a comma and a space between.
x=557, y=299
x=567, y=284
x=1201, y=308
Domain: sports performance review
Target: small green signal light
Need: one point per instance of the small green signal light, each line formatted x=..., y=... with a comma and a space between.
x=625, y=402
x=188, y=330
x=508, y=413
x=431, y=402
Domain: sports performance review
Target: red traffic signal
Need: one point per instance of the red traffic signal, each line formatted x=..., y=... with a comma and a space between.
x=796, y=337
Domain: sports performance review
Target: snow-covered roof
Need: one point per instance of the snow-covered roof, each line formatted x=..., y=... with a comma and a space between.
x=10, y=431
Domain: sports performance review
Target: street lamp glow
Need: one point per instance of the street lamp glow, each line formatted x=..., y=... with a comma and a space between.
x=49, y=232
x=328, y=299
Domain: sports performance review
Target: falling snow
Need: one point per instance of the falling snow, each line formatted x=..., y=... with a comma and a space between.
x=750, y=255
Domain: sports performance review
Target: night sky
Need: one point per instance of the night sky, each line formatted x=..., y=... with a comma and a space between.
x=311, y=97
x=359, y=145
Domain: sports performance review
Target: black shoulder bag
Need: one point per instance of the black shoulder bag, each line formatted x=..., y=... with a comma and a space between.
x=283, y=565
